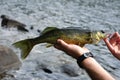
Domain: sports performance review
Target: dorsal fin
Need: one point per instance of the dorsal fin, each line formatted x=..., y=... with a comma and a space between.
x=48, y=29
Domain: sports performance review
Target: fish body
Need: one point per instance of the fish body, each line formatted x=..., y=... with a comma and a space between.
x=50, y=35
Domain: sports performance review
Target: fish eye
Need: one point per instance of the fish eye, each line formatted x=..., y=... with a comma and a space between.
x=102, y=31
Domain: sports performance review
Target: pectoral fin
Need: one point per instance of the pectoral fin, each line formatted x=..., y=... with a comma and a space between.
x=48, y=45
x=81, y=45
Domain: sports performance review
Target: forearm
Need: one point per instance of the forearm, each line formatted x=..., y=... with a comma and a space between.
x=95, y=71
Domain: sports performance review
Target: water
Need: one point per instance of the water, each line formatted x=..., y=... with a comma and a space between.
x=92, y=14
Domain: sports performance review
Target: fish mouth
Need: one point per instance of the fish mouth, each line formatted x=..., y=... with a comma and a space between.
x=105, y=31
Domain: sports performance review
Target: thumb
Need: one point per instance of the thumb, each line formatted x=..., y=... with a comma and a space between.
x=61, y=44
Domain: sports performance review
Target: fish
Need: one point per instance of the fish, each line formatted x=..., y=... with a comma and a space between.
x=71, y=35
x=8, y=23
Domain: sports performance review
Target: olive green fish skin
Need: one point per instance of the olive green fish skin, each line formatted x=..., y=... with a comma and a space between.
x=69, y=35
x=74, y=36
x=49, y=37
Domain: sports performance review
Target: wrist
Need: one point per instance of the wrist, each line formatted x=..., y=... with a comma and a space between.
x=77, y=56
x=83, y=57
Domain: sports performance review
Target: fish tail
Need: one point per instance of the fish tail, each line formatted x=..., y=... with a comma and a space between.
x=25, y=46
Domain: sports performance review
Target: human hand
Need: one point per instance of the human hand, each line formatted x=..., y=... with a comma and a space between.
x=73, y=50
x=114, y=44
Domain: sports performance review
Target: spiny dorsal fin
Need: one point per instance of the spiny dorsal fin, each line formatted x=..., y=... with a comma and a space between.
x=48, y=29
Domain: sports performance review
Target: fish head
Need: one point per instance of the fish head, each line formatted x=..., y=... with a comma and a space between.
x=101, y=34
x=98, y=35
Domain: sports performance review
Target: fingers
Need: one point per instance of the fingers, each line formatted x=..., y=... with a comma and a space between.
x=117, y=34
x=110, y=47
x=61, y=44
x=115, y=37
x=73, y=50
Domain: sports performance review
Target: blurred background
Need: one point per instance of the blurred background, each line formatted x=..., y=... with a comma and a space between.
x=48, y=63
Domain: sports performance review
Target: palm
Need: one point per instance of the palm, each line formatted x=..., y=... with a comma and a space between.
x=71, y=48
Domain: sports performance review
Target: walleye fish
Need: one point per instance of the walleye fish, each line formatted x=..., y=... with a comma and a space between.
x=50, y=35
